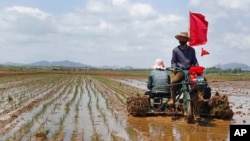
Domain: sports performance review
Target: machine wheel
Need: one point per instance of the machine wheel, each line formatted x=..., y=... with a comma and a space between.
x=188, y=107
x=190, y=116
x=129, y=110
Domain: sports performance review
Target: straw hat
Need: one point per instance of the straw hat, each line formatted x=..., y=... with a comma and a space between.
x=159, y=64
x=181, y=35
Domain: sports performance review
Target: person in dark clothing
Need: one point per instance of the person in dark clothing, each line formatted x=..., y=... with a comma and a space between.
x=158, y=82
x=183, y=56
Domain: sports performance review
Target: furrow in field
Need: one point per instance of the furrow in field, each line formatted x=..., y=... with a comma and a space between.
x=57, y=120
x=85, y=112
x=113, y=122
x=38, y=110
x=69, y=130
x=112, y=85
x=118, y=114
x=14, y=97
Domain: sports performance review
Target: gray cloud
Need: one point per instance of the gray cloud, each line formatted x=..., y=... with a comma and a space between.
x=121, y=32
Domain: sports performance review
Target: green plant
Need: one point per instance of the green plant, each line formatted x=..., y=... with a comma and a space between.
x=217, y=93
x=10, y=99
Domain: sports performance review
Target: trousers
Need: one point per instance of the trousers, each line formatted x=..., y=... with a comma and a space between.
x=176, y=81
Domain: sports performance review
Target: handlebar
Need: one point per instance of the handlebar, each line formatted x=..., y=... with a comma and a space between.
x=169, y=69
x=172, y=69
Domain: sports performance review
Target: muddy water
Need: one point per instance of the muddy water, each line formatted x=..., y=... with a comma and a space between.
x=165, y=128
x=161, y=128
x=93, y=115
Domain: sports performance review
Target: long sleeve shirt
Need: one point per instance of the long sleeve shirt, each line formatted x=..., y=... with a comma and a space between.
x=183, y=58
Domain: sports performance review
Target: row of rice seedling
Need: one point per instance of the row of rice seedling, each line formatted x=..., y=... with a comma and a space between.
x=76, y=131
x=11, y=115
x=22, y=93
x=110, y=96
x=56, y=124
x=36, y=114
x=107, y=125
x=114, y=86
x=70, y=112
x=62, y=107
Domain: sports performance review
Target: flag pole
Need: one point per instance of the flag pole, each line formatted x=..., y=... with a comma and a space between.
x=189, y=22
x=189, y=27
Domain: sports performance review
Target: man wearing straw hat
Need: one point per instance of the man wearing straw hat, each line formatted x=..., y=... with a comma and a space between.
x=183, y=56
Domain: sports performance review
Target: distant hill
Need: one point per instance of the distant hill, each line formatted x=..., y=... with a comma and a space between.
x=65, y=63
x=233, y=66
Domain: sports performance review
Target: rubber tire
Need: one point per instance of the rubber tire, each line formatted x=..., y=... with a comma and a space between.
x=189, y=110
x=129, y=111
x=190, y=115
x=187, y=104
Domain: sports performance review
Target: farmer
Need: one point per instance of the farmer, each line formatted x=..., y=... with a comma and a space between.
x=158, y=83
x=183, y=56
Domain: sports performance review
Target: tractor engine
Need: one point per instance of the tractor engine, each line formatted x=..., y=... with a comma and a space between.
x=198, y=81
x=195, y=76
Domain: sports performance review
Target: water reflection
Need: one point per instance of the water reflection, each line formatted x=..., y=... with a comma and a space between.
x=158, y=131
x=164, y=129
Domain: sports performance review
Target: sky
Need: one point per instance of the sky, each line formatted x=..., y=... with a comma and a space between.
x=120, y=32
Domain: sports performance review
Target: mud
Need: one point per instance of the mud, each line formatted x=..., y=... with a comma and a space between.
x=176, y=128
x=78, y=107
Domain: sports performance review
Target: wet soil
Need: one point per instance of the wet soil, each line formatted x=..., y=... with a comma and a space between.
x=99, y=112
x=176, y=128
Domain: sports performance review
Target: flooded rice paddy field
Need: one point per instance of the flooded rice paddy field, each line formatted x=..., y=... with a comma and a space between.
x=164, y=128
x=77, y=107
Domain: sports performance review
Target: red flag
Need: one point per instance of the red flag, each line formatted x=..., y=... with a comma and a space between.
x=198, y=29
x=204, y=52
